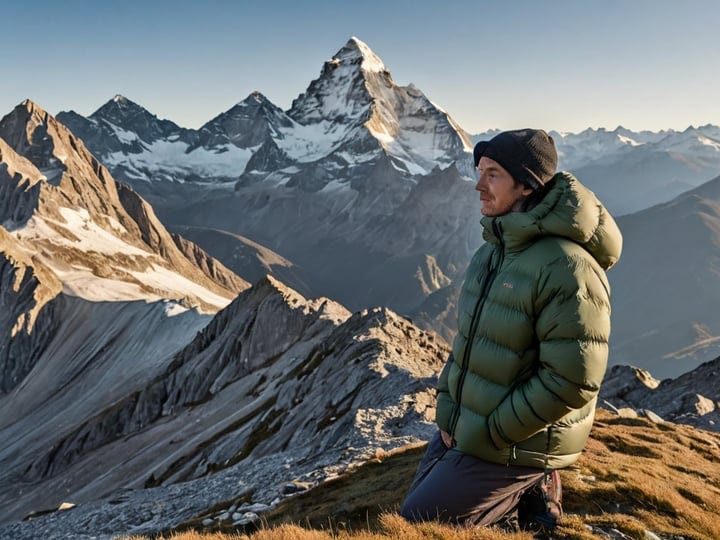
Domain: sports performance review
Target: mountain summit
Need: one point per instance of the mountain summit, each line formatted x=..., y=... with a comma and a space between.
x=355, y=49
x=343, y=90
x=356, y=89
x=249, y=123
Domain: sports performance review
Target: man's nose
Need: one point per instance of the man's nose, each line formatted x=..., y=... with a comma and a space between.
x=479, y=186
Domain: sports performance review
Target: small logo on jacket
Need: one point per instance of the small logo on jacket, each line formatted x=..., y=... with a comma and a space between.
x=508, y=285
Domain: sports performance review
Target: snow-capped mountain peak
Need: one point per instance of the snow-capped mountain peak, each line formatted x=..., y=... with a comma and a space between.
x=341, y=93
x=356, y=50
x=256, y=98
x=34, y=134
x=130, y=121
x=356, y=102
x=118, y=109
x=246, y=125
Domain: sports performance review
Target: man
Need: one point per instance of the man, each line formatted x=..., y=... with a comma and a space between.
x=517, y=396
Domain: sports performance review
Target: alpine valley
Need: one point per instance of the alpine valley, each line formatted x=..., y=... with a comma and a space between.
x=175, y=303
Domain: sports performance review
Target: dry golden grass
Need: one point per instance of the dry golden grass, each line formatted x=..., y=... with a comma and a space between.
x=633, y=476
x=390, y=526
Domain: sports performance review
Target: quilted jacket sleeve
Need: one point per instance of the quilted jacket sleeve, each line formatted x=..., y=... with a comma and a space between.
x=572, y=307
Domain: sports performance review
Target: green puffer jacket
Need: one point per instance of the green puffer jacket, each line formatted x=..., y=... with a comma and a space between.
x=533, y=325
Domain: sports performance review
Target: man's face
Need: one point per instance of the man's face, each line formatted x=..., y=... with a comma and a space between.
x=499, y=193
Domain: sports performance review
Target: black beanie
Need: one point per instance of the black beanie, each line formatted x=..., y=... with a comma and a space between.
x=529, y=155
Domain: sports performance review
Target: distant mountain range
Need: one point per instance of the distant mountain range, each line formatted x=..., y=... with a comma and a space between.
x=362, y=183
x=630, y=171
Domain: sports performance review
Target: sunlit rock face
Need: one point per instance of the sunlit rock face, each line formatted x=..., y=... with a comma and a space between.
x=691, y=398
x=100, y=238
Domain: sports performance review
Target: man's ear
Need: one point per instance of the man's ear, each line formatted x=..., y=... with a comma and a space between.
x=526, y=191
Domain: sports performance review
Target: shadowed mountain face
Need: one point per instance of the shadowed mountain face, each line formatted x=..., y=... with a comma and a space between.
x=667, y=284
x=243, y=256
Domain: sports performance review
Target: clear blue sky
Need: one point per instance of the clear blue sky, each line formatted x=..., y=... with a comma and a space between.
x=556, y=64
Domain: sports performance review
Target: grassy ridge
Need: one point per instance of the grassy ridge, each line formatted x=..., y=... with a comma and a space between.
x=633, y=476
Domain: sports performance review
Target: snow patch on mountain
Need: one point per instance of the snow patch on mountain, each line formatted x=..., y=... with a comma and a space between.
x=308, y=143
x=160, y=278
x=171, y=160
x=81, y=233
x=76, y=229
x=123, y=135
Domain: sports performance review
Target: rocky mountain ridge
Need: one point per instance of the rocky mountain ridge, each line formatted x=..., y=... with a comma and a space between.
x=692, y=398
x=245, y=404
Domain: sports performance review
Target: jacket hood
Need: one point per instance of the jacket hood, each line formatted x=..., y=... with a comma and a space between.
x=569, y=210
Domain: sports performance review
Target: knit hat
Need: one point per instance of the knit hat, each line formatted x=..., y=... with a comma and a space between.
x=529, y=155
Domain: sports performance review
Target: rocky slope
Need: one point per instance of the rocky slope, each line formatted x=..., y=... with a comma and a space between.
x=692, y=398
x=28, y=289
x=276, y=388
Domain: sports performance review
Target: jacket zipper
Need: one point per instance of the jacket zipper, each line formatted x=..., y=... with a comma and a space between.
x=489, y=278
x=512, y=456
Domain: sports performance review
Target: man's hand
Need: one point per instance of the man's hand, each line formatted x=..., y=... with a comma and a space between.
x=446, y=438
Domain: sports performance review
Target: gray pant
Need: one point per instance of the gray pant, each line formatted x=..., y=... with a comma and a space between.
x=455, y=487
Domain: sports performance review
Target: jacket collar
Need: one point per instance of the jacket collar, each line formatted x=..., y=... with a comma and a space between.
x=568, y=210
